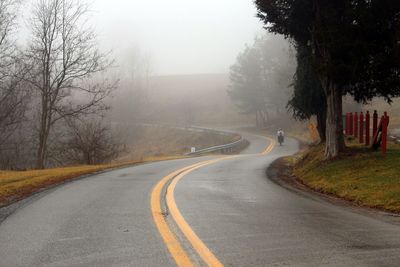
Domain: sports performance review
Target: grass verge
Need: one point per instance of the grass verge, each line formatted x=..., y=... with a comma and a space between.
x=360, y=175
x=16, y=185
x=151, y=144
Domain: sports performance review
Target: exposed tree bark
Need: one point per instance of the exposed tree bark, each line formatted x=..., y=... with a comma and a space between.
x=334, y=143
x=334, y=126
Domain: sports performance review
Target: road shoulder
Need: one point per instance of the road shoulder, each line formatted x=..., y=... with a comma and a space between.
x=280, y=172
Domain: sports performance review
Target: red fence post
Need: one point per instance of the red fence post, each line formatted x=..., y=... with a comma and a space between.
x=361, y=135
x=351, y=123
x=374, y=123
x=387, y=117
x=384, y=134
x=355, y=125
x=367, y=130
x=349, y=129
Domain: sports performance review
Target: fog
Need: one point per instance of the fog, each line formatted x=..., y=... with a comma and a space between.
x=88, y=73
x=183, y=36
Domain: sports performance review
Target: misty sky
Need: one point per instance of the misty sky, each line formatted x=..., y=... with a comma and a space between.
x=182, y=36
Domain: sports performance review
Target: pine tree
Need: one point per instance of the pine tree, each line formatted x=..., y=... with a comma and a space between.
x=355, y=49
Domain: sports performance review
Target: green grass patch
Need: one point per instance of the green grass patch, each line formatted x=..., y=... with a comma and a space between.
x=360, y=175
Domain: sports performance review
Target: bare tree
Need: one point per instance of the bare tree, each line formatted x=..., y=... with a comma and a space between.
x=7, y=25
x=12, y=106
x=12, y=95
x=8, y=12
x=90, y=142
x=65, y=66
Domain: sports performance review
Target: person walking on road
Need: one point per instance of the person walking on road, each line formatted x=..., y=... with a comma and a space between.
x=281, y=136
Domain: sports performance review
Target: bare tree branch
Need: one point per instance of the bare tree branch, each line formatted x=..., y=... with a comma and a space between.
x=90, y=142
x=66, y=65
x=12, y=96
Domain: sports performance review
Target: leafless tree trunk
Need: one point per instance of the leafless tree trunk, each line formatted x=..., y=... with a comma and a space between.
x=65, y=62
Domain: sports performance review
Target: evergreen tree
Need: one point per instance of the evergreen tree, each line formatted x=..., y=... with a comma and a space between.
x=308, y=97
x=247, y=84
x=260, y=78
x=355, y=49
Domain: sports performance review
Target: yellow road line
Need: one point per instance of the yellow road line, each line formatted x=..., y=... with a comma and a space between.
x=196, y=242
x=175, y=248
x=269, y=148
x=180, y=256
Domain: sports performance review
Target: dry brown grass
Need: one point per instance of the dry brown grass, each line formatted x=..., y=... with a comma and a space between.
x=16, y=185
x=154, y=144
x=164, y=141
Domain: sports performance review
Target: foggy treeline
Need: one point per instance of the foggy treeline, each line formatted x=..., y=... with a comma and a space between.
x=53, y=88
x=63, y=100
x=261, y=80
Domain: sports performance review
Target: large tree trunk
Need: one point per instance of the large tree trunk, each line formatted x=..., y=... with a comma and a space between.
x=88, y=158
x=42, y=149
x=41, y=152
x=334, y=126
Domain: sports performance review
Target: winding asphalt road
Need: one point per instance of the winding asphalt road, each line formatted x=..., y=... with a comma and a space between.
x=239, y=215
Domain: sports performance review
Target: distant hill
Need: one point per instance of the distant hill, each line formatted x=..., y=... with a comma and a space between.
x=198, y=99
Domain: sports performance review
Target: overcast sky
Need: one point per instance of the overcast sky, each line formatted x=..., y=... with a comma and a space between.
x=182, y=36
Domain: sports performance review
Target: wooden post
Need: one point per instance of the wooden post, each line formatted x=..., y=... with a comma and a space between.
x=384, y=134
x=374, y=123
x=351, y=123
x=348, y=124
x=367, y=130
x=387, y=118
x=361, y=135
x=355, y=125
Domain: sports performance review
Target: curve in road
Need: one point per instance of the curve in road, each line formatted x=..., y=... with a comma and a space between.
x=243, y=218
x=248, y=220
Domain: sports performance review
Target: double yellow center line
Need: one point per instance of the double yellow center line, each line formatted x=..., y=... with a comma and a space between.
x=269, y=148
x=174, y=246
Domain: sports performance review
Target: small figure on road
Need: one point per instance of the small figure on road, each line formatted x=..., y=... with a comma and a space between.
x=281, y=136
